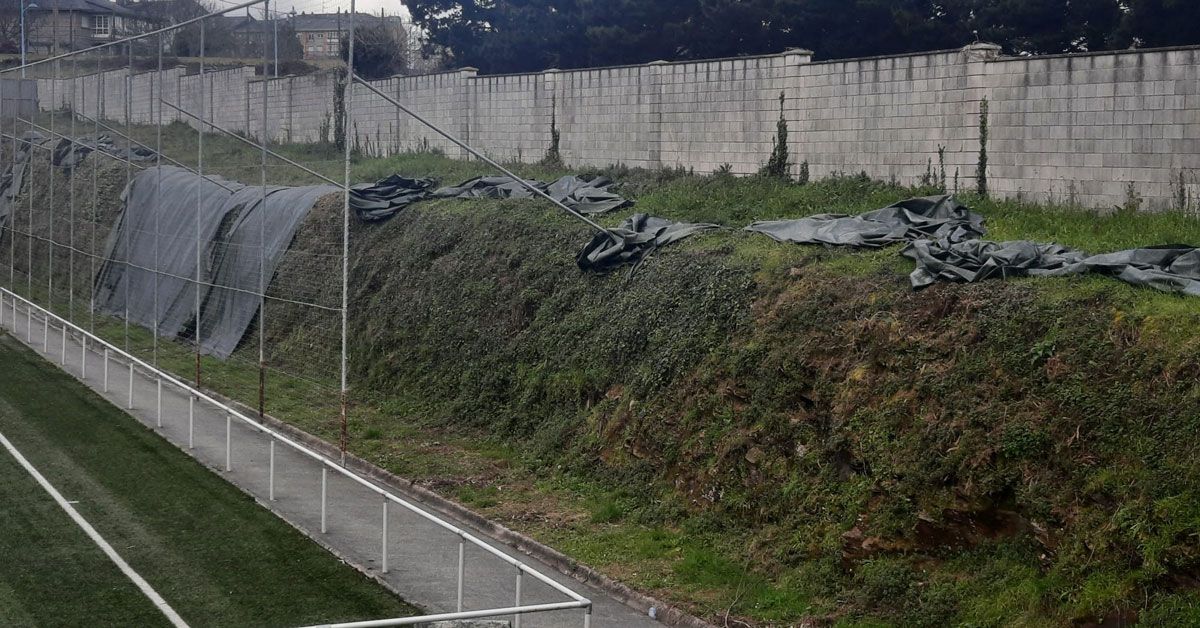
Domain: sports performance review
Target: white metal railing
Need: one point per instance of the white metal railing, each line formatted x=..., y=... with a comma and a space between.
x=112, y=352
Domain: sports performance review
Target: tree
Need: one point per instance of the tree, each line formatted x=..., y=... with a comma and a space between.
x=10, y=25
x=1160, y=23
x=378, y=52
x=530, y=35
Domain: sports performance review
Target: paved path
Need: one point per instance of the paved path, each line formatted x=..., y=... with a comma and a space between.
x=423, y=558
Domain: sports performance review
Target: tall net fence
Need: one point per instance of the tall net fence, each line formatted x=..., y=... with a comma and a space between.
x=147, y=200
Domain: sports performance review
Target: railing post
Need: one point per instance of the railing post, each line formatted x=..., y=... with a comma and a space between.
x=324, y=486
x=63, y=360
x=462, y=548
x=83, y=360
x=191, y=420
x=130, y=383
x=587, y=617
x=106, y=368
x=271, y=473
x=159, y=419
x=46, y=332
x=228, y=439
x=384, y=550
x=517, y=599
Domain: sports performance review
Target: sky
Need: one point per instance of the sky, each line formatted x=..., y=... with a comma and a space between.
x=392, y=7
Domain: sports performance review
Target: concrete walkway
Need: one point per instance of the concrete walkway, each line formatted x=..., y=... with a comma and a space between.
x=422, y=557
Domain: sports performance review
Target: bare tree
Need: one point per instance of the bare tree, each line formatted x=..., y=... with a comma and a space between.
x=10, y=25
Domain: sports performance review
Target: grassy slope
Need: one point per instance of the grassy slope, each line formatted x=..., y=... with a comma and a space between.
x=217, y=557
x=772, y=431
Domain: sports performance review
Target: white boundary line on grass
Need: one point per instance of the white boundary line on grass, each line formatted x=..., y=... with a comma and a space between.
x=141, y=583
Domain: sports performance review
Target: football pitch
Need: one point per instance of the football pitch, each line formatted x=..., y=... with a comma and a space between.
x=214, y=556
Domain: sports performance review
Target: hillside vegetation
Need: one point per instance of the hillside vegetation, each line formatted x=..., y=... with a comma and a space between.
x=769, y=433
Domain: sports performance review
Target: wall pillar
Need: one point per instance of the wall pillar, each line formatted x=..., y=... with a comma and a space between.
x=462, y=108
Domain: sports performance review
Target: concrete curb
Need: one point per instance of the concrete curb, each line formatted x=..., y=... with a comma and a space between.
x=565, y=565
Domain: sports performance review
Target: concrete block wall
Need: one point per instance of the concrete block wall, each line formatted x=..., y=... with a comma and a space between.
x=1073, y=128
x=511, y=115
x=1082, y=128
x=885, y=116
x=710, y=114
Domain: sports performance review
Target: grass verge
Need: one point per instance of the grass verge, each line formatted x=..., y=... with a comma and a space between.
x=209, y=550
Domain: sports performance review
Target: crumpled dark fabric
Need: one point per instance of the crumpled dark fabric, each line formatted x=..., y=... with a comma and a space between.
x=13, y=178
x=63, y=157
x=373, y=202
x=975, y=260
x=633, y=241
x=1170, y=268
x=586, y=195
x=932, y=217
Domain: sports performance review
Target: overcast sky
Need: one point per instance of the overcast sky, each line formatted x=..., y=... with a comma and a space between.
x=392, y=7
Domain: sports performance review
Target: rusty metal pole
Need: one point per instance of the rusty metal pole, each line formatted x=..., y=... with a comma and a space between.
x=199, y=203
x=347, y=140
x=262, y=237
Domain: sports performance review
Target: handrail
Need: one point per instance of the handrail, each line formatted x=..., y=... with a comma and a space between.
x=490, y=612
x=326, y=462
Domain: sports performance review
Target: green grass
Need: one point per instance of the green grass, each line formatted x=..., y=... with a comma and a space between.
x=711, y=429
x=217, y=557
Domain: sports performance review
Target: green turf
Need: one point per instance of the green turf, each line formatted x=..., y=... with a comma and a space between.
x=214, y=555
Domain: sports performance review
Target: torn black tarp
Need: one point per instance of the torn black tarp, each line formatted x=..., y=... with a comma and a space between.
x=68, y=160
x=631, y=242
x=976, y=260
x=241, y=241
x=586, y=195
x=381, y=200
x=933, y=217
x=13, y=179
x=1170, y=268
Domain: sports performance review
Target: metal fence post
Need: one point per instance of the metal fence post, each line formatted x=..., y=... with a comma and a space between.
x=83, y=360
x=462, y=549
x=384, y=550
x=63, y=359
x=587, y=617
x=106, y=368
x=228, y=435
x=130, y=405
x=199, y=204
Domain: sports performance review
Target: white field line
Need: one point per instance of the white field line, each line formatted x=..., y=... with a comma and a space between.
x=141, y=583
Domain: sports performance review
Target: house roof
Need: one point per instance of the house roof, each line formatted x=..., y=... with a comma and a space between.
x=82, y=6
x=329, y=21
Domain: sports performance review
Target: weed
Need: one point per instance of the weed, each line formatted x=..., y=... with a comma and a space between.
x=778, y=164
x=981, y=181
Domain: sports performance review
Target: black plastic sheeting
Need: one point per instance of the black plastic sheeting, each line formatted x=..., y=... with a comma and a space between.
x=943, y=238
x=1170, y=268
x=231, y=224
x=586, y=195
x=635, y=239
x=383, y=199
x=933, y=217
x=68, y=160
x=13, y=178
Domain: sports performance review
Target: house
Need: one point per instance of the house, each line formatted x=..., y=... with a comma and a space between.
x=320, y=34
x=62, y=25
